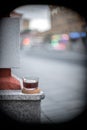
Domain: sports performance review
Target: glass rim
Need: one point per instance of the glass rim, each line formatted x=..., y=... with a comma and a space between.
x=31, y=77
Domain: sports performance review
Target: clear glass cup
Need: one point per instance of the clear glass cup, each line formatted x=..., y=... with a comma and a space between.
x=30, y=82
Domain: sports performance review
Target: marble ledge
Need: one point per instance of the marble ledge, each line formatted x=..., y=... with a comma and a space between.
x=18, y=95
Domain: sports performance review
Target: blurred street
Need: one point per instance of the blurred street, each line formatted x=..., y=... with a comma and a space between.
x=62, y=79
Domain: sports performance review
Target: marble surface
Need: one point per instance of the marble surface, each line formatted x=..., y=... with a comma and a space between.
x=21, y=107
x=25, y=111
x=18, y=95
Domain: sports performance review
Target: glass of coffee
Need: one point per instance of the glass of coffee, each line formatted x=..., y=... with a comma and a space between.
x=30, y=82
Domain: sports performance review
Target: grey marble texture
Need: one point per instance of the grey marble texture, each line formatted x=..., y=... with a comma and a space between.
x=21, y=107
x=18, y=95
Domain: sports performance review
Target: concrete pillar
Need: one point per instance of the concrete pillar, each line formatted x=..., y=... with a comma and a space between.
x=9, y=42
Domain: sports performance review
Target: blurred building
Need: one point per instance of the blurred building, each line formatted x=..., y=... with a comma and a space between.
x=15, y=15
x=24, y=23
x=64, y=20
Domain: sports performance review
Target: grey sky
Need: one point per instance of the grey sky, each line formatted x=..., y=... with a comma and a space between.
x=34, y=11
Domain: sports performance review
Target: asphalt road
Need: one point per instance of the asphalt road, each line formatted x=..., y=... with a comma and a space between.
x=61, y=78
